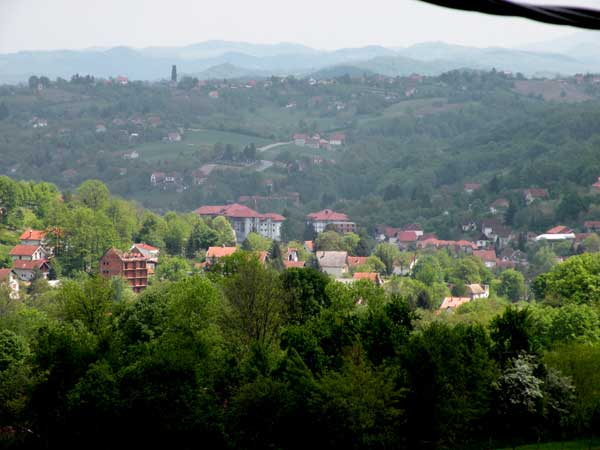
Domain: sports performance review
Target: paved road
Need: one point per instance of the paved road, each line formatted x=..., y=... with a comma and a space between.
x=270, y=146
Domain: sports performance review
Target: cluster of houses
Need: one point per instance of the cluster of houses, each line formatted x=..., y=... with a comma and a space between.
x=30, y=258
x=317, y=141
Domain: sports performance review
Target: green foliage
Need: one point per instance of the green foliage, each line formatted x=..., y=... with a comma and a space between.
x=576, y=280
x=254, y=242
x=388, y=254
x=512, y=285
x=172, y=268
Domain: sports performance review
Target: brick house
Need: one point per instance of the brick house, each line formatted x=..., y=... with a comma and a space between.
x=132, y=266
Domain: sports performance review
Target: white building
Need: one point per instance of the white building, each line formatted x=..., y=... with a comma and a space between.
x=245, y=220
x=320, y=220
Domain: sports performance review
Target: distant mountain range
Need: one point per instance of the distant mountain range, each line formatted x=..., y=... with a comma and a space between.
x=222, y=59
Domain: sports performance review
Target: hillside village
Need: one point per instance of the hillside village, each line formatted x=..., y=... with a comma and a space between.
x=333, y=244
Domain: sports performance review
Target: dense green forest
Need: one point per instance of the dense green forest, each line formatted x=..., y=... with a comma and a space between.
x=247, y=357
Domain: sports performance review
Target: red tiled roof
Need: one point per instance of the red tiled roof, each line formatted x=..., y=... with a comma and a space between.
x=293, y=264
x=4, y=274
x=485, y=255
x=24, y=250
x=356, y=260
x=373, y=276
x=29, y=265
x=391, y=231
x=273, y=216
x=408, y=236
x=309, y=245
x=236, y=210
x=33, y=235
x=441, y=243
x=327, y=214
x=219, y=252
x=125, y=256
x=560, y=229
x=146, y=247
x=592, y=224
x=454, y=302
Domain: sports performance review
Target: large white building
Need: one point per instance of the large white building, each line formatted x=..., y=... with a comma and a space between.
x=245, y=220
x=319, y=220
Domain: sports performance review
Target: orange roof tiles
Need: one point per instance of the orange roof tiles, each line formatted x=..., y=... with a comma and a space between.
x=354, y=261
x=220, y=252
x=24, y=250
x=238, y=211
x=454, y=302
x=293, y=264
x=29, y=265
x=327, y=214
x=33, y=235
x=373, y=276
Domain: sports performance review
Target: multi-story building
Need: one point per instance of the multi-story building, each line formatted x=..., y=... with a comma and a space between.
x=319, y=220
x=131, y=266
x=245, y=220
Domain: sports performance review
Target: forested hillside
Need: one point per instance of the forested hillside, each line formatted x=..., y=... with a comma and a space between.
x=410, y=146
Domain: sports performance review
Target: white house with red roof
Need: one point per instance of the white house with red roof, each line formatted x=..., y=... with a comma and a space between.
x=319, y=220
x=23, y=252
x=337, y=139
x=25, y=269
x=300, y=139
x=558, y=233
x=245, y=220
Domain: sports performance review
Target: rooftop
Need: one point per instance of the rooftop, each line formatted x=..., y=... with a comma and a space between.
x=236, y=210
x=327, y=215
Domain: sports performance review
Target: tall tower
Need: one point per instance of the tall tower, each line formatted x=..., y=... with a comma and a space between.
x=174, y=73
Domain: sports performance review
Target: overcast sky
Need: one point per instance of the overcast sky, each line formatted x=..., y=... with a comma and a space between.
x=325, y=24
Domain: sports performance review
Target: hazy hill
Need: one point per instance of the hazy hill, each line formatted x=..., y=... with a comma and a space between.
x=578, y=54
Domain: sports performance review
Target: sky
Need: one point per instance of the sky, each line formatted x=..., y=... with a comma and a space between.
x=323, y=24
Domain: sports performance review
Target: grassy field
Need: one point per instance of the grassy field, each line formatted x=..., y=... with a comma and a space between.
x=568, y=445
x=297, y=152
x=283, y=122
x=552, y=90
x=194, y=141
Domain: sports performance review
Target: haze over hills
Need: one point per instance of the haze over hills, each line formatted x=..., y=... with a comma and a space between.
x=223, y=59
